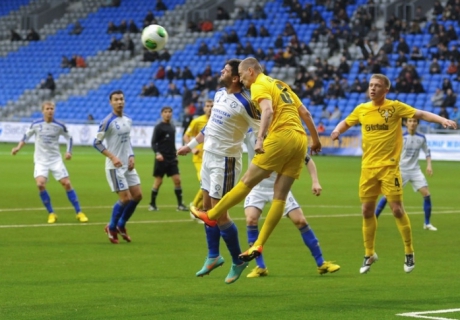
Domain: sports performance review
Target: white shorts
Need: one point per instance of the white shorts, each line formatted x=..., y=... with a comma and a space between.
x=260, y=196
x=121, y=179
x=219, y=174
x=416, y=178
x=58, y=170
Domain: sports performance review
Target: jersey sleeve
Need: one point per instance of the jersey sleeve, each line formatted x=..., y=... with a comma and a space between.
x=353, y=118
x=68, y=137
x=405, y=110
x=425, y=148
x=260, y=92
x=100, y=135
x=29, y=133
x=192, y=129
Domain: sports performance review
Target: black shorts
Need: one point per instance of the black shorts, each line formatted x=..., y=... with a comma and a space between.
x=165, y=167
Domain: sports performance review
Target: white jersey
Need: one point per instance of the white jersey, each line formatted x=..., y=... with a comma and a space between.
x=250, y=141
x=231, y=117
x=116, y=132
x=47, y=140
x=411, y=151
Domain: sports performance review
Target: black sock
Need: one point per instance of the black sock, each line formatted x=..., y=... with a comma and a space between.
x=153, y=197
x=178, y=192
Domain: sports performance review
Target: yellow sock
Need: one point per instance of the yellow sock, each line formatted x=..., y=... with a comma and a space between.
x=274, y=216
x=369, y=231
x=198, y=200
x=405, y=230
x=232, y=198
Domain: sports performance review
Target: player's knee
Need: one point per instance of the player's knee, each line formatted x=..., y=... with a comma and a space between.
x=41, y=186
x=137, y=197
x=252, y=220
x=397, y=210
x=66, y=184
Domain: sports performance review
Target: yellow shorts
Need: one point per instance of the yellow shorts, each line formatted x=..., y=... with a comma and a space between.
x=284, y=153
x=383, y=180
x=198, y=169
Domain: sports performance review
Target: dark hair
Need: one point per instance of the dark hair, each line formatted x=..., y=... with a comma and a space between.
x=115, y=92
x=166, y=108
x=234, y=64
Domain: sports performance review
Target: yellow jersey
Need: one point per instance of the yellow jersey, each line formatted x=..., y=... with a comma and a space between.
x=381, y=128
x=284, y=101
x=193, y=130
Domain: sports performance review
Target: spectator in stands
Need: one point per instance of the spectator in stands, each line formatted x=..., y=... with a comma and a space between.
x=206, y=26
x=187, y=74
x=356, y=86
x=402, y=59
x=455, y=115
x=112, y=28
x=187, y=117
x=165, y=55
x=90, y=119
x=77, y=29
x=33, y=35
x=15, y=36
x=129, y=44
x=115, y=45
x=452, y=68
x=434, y=41
x=446, y=85
x=203, y=49
x=317, y=99
x=279, y=42
x=239, y=49
x=259, y=13
x=149, y=18
x=373, y=35
x=219, y=49
x=454, y=53
x=263, y=32
x=170, y=75
x=333, y=44
x=161, y=73
x=172, y=91
x=252, y=31
x=260, y=54
x=222, y=14
x=415, y=28
x=437, y=8
x=435, y=68
x=450, y=100
x=388, y=46
x=403, y=46
x=80, y=62
x=150, y=90
x=451, y=33
x=321, y=128
x=443, y=113
x=437, y=98
x=289, y=30
x=132, y=27
x=316, y=17
x=160, y=6
x=336, y=114
x=241, y=14
x=325, y=114
x=123, y=27
x=150, y=56
x=233, y=37
x=112, y=3
x=417, y=87
x=416, y=54
x=192, y=27
x=249, y=49
x=48, y=83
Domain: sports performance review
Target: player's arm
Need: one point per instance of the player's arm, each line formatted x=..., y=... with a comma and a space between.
x=306, y=117
x=266, y=108
x=131, y=157
x=315, y=185
x=184, y=150
x=69, y=143
x=188, y=136
x=154, y=142
x=21, y=143
x=341, y=127
x=429, y=169
x=97, y=143
x=431, y=117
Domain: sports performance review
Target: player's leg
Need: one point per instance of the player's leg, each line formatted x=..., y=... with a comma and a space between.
x=380, y=206
x=158, y=174
x=173, y=172
x=253, y=207
x=41, y=178
x=135, y=197
x=425, y=192
x=198, y=199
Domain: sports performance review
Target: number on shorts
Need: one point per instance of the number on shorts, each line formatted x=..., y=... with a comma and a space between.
x=120, y=184
x=397, y=183
x=285, y=96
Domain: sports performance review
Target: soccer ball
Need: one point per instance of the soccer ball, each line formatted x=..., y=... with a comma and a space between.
x=154, y=37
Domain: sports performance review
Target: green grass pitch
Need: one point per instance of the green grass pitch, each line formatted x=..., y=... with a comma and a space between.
x=71, y=271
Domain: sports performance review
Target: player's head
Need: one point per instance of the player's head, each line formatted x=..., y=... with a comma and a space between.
x=208, y=107
x=48, y=109
x=248, y=70
x=229, y=74
x=166, y=113
x=117, y=101
x=412, y=124
x=379, y=85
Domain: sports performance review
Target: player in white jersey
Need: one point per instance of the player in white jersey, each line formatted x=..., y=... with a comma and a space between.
x=262, y=194
x=410, y=169
x=47, y=157
x=231, y=116
x=121, y=175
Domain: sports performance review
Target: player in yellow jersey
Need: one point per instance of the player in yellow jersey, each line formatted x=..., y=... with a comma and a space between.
x=192, y=131
x=382, y=141
x=281, y=146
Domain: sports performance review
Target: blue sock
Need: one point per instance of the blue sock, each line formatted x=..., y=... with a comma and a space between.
x=427, y=208
x=117, y=211
x=253, y=234
x=127, y=213
x=380, y=206
x=46, y=201
x=213, y=241
x=229, y=233
x=312, y=243
x=72, y=196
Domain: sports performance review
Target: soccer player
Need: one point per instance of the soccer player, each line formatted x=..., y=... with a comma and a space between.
x=47, y=157
x=410, y=169
x=192, y=131
x=164, y=146
x=232, y=115
x=382, y=142
x=281, y=147
x=263, y=194
x=121, y=175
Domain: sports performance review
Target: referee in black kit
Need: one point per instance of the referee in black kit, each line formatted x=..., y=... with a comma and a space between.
x=164, y=146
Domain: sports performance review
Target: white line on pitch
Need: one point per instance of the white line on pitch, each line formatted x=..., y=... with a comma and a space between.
x=420, y=315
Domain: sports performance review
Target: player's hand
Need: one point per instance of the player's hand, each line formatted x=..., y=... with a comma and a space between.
x=259, y=146
x=68, y=156
x=316, y=189
x=195, y=151
x=315, y=147
x=116, y=162
x=159, y=157
x=183, y=151
x=130, y=163
x=14, y=151
x=449, y=124
x=335, y=135
x=429, y=171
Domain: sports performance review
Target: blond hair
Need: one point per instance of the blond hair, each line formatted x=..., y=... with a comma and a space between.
x=45, y=103
x=382, y=77
x=252, y=63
